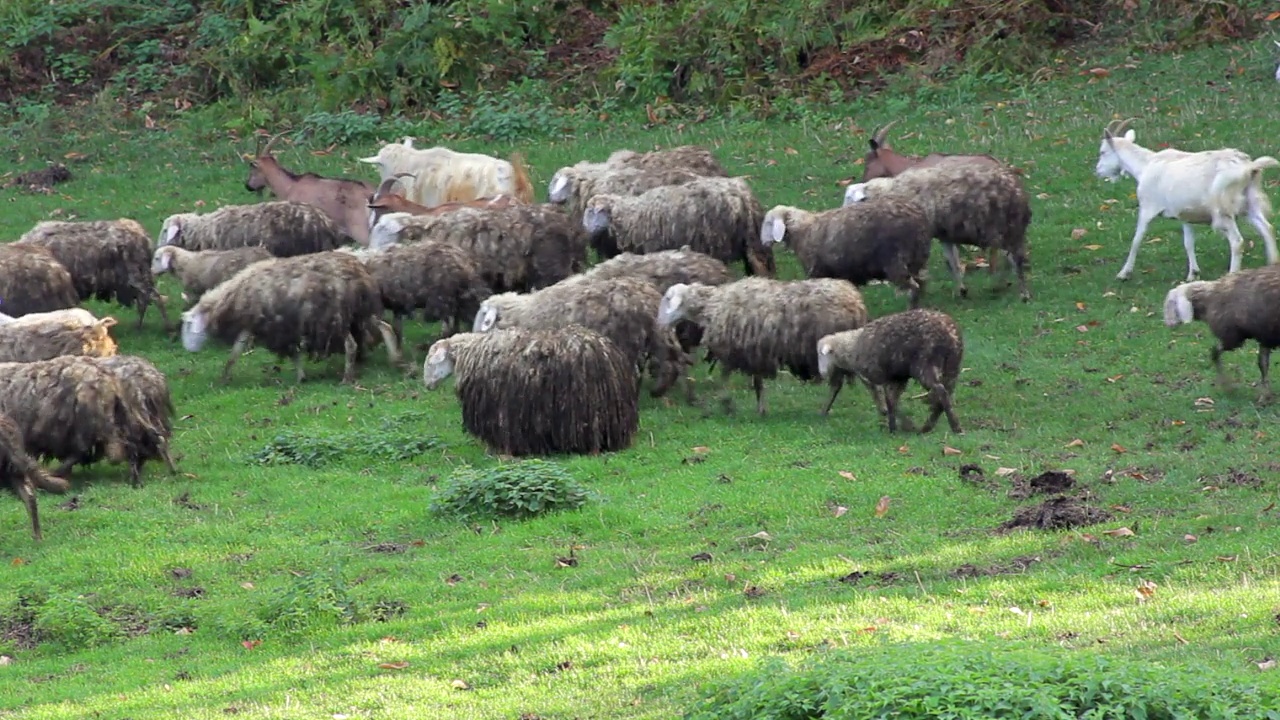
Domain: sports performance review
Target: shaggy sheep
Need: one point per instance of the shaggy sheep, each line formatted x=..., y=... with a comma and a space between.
x=22, y=341
x=437, y=278
x=572, y=186
x=150, y=389
x=201, y=271
x=518, y=248
x=623, y=309
x=1237, y=307
x=717, y=216
x=882, y=239
x=685, y=157
x=758, y=326
x=23, y=473
x=540, y=392
x=889, y=351
x=32, y=280
x=70, y=316
x=73, y=410
x=313, y=305
x=108, y=260
x=284, y=228
x=984, y=206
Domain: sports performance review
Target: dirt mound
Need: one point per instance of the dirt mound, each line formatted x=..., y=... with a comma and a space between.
x=41, y=181
x=1019, y=564
x=1056, y=513
x=1052, y=481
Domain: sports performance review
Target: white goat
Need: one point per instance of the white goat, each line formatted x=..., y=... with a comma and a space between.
x=1210, y=187
x=1277, y=42
x=439, y=175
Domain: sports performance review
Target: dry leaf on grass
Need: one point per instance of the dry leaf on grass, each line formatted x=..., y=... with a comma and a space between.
x=882, y=507
x=1119, y=448
x=1075, y=443
x=1003, y=471
x=847, y=475
x=948, y=450
x=394, y=665
x=1119, y=532
x=840, y=510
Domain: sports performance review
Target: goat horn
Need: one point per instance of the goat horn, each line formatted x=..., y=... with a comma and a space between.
x=271, y=142
x=412, y=175
x=878, y=135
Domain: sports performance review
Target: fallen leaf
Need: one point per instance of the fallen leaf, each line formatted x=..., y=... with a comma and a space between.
x=840, y=510
x=1226, y=558
x=904, y=449
x=1189, y=538
x=1002, y=471
x=1204, y=402
x=882, y=507
x=402, y=664
x=1119, y=532
x=1178, y=423
x=948, y=450
x=1082, y=328
x=1269, y=663
x=246, y=585
x=1122, y=508
x=1118, y=448
x=1093, y=247
x=453, y=579
x=1114, y=378
x=1078, y=233
x=1145, y=590
x=1269, y=508
x=6, y=659
x=19, y=561
x=1075, y=443
x=1080, y=306
x=847, y=475
x=460, y=685
x=1270, y=18
x=1099, y=72
x=701, y=557
x=702, y=449
x=791, y=151
x=251, y=644
x=730, y=578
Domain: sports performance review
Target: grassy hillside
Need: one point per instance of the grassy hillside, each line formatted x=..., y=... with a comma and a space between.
x=250, y=588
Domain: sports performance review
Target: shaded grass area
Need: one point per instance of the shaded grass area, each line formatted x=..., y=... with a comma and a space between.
x=1084, y=378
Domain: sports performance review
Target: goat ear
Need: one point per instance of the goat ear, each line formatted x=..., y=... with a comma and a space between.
x=1130, y=136
x=875, y=145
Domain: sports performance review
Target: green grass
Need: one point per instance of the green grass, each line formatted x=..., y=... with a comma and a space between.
x=636, y=626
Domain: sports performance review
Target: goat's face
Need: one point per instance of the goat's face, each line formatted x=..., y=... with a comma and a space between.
x=438, y=365
x=1108, y=167
x=1177, y=308
x=162, y=261
x=874, y=162
x=257, y=180
x=672, y=308
x=194, y=330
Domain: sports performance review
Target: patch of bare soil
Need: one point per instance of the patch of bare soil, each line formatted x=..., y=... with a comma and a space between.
x=1056, y=513
x=1046, y=483
x=1234, y=477
x=1013, y=567
x=42, y=180
x=19, y=630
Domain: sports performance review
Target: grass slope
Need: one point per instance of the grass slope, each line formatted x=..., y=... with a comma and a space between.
x=633, y=629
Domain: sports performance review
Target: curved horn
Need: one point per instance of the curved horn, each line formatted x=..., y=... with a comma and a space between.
x=878, y=135
x=385, y=187
x=267, y=149
x=412, y=175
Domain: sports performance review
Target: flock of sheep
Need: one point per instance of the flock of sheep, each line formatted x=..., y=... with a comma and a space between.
x=558, y=350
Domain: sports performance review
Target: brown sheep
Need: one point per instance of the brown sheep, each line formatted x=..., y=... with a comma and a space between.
x=23, y=473
x=32, y=280
x=150, y=389
x=29, y=342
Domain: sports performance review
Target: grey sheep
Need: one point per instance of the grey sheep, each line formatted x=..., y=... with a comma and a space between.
x=518, y=248
x=572, y=186
x=686, y=157
x=75, y=411
x=717, y=216
x=758, y=326
x=540, y=392
x=284, y=228
x=22, y=473
x=199, y=271
x=22, y=341
x=623, y=309
x=32, y=280
x=150, y=390
x=881, y=239
x=109, y=260
x=888, y=352
x=310, y=305
x=438, y=278
x=1237, y=307
x=981, y=205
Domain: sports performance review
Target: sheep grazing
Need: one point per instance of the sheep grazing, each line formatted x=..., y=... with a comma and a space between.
x=1210, y=187
x=758, y=326
x=572, y=186
x=150, y=390
x=623, y=309
x=73, y=410
x=520, y=248
x=437, y=278
x=1237, y=307
x=882, y=239
x=384, y=200
x=199, y=271
x=32, y=280
x=25, y=341
x=965, y=204
x=23, y=473
x=108, y=260
x=887, y=352
x=284, y=228
x=439, y=175
x=720, y=217
x=540, y=392
x=311, y=305
x=341, y=199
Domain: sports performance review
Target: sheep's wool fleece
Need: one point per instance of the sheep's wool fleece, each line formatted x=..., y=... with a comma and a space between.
x=526, y=392
x=33, y=281
x=439, y=278
x=109, y=260
x=898, y=347
x=20, y=342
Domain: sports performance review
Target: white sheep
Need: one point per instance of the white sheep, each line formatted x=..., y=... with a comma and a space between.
x=438, y=175
x=1210, y=187
x=69, y=316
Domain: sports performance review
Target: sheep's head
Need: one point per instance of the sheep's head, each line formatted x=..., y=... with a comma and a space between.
x=486, y=318
x=386, y=230
x=855, y=192
x=825, y=349
x=194, y=329
x=1177, y=306
x=1109, y=167
x=162, y=260
x=439, y=363
x=561, y=187
x=598, y=214
x=172, y=229
x=673, y=307
x=774, y=228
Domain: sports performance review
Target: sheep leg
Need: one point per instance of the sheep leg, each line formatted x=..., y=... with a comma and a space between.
x=349, y=369
x=914, y=289
x=1145, y=216
x=1258, y=218
x=952, y=254
x=837, y=382
x=389, y=336
x=64, y=470
x=1189, y=244
x=237, y=348
x=1019, y=261
x=135, y=473
x=397, y=324
x=757, y=382
x=298, y=372
x=168, y=459
x=940, y=402
x=25, y=490
x=1216, y=356
x=160, y=307
x=892, y=394
x=877, y=396
x=1264, y=365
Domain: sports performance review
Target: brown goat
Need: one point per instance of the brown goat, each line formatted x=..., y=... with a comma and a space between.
x=384, y=200
x=340, y=198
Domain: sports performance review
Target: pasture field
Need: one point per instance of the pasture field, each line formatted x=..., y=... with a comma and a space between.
x=214, y=593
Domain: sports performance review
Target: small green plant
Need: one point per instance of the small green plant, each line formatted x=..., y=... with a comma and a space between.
x=313, y=600
x=72, y=623
x=395, y=439
x=523, y=489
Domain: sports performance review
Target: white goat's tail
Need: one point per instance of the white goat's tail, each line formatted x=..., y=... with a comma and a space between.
x=1233, y=185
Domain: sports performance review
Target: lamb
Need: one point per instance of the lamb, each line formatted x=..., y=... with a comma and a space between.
x=108, y=260
x=1237, y=307
x=622, y=309
x=1210, y=187
x=966, y=204
x=539, y=392
x=520, y=248
x=438, y=278
x=888, y=352
x=572, y=186
x=882, y=239
x=23, y=473
x=199, y=271
x=25, y=341
x=73, y=410
x=150, y=390
x=441, y=175
x=758, y=326
x=306, y=305
x=32, y=280
x=284, y=228
x=717, y=216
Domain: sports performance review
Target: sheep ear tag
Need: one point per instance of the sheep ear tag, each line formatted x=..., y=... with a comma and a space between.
x=779, y=229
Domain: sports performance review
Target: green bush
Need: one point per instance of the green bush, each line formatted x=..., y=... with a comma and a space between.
x=313, y=600
x=962, y=681
x=520, y=490
x=395, y=439
x=72, y=623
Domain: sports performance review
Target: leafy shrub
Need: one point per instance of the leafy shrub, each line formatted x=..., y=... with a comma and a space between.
x=520, y=490
x=960, y=680
x=72, y=623
x=395, y=439
x=316, y=599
